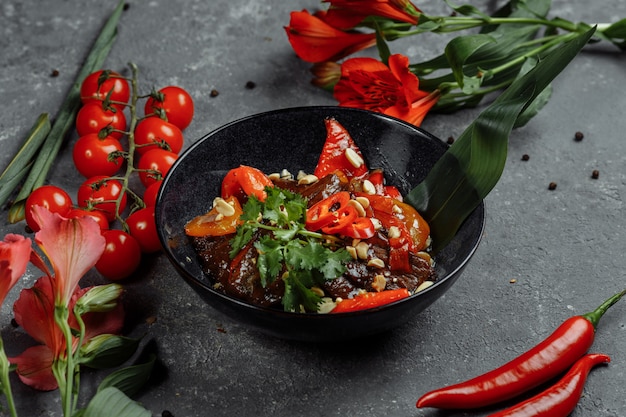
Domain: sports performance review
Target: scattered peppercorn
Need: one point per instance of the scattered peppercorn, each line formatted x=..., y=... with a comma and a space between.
x=552, y=186
x=250, y=85
x=579, y=136
x=525, y=157
x=54, y=73
x=14, y=323
x=166, y=413
x=126, y=6
x=214, y=93
x=450, y=140
x=595, y=174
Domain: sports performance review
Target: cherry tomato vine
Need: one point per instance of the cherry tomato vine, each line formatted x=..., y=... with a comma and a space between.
x=112, y=149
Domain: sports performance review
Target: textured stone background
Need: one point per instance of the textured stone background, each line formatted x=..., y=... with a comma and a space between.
x=565, y=248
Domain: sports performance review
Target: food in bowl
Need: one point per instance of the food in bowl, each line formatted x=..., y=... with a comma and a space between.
x=336, y=240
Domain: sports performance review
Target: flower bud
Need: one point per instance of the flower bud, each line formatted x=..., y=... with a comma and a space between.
x=99, y=299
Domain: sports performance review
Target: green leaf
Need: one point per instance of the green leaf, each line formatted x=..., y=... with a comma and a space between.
x=383, y=48
x=19, y=166
x=113, y=402
x=460, y=49
x=472, y=166
x=129, y=380
x=270, y=260
x=616, y=33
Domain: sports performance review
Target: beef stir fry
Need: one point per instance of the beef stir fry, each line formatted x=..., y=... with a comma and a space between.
x=333, y=241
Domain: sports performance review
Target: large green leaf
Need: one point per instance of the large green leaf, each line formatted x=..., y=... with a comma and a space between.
x=472, y=166
x=130, y=379
x=113, y=402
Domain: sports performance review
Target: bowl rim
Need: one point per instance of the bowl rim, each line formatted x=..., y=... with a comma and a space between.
x=197, y=282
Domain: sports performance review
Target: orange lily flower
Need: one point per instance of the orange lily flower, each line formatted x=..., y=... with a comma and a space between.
x=314, y=40
x=367, y=83
x=345, y=14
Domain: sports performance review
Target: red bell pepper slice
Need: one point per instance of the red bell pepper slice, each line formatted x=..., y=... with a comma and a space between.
x=359, y=228
x=370, y=300
x=244, y=181
x=333, y=157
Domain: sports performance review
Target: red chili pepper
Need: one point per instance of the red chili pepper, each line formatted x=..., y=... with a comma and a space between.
x=370, y=300
x=560, y=399
x=334, y=158
x=325, y=212
x=568, y=343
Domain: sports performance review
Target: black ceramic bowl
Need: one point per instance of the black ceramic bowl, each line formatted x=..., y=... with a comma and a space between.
x=292, y=139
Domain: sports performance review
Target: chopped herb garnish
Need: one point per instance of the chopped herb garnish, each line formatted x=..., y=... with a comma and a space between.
x=303, y=259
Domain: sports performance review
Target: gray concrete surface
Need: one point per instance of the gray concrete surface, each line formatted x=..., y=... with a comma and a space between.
x=546, y=255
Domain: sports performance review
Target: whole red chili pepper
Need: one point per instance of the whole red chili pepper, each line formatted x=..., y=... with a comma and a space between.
x=560, y=399
x=568, y=343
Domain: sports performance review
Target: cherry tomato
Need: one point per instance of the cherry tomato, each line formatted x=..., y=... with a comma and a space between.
x=92, y=118
x=142, y=226
x=97, y=85
x=96, y=215
x=154, y=164
x=91, y=155
x=215, y=223
x=175, y=102
x=244, y=181
x=101, y=193
x=121, y=256
x=156, y=130
x=151, y=193
x=55, y=199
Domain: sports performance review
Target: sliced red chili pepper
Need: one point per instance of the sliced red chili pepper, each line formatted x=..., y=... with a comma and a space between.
x=324, y=212
x=244, y=181
x=568, y=343
x=359, y=228
x=560, y=399
x=333, y=157
x=344, y=217
x=370, y=300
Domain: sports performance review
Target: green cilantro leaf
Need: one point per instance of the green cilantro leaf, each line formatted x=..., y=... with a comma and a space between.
x=270, y=259
x=297, y=294
x=305, y=256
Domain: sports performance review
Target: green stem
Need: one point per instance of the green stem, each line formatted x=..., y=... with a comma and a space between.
x=130, y=165
x=5, y=384
x=595, y=315
x=65, y=375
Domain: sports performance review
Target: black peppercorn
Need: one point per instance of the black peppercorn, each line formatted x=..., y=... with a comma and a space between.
x=525, y=157
x=250, y=85
x=450, y=140
x=579, y=136
x=552, y=186
x=595, y=174
x=214, y=93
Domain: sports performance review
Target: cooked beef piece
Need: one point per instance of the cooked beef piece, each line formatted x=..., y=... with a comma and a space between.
x=319, y=190
x=238, y=277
